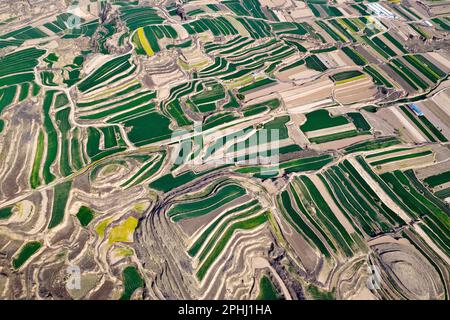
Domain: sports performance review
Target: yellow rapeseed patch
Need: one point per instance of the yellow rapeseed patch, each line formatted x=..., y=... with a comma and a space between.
x=100, y=228
x=145, y=44
x=123, y=232
x=351, y=79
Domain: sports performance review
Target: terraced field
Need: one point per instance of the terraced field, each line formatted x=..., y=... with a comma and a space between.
x=233, y=149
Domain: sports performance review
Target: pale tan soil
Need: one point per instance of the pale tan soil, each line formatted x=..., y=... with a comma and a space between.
x=442, y=99
x=302, y=249
x=96, y=61
x=328, y=61
x=323, y=96
x=324, y=34
x=297, y=73
x=332, y=130
x=384, y=149
x=363, y=294
x=22, y=212
x=106, y=93
x=234, y=251
x=163, y=79
x=327, y=269
x=355, y=91
x=191, y=6
x=304, y=108
x=405, y=164
x=351, y=280
x=430, y=242
x=289, y=60
x=307, y=94
x=272, y=3
x=387, y=239
x=111, y=84
x=294, y=132
x=418, y=137
x=211, y=135
x=440, y=58
x=443, y=86
x=439, y=118
x=238, y=26
x=301, y=13
x=298, y=119
x=308, y=44
x=4, y=282
x=264, y=92
x=378, y=190
x=442, y=152
x=339, y=144
x=280, y=16
x=402, y=29
x=195, y=57
x=236, y=263
x=182, y=33
x=241, y=274
x=306, y=89
x=433, y=170
x=408, y=270
x=386, y=115
x=442, y=9
x=260, y=263
x=268, y=97
x=442, y=186
x=88, y=282
x=191, y=227
x=341, y=59
x=226, y=127
x=395, y=154
x=443, y=67
x=390, y=45
x=377, y=124
x=329, y=200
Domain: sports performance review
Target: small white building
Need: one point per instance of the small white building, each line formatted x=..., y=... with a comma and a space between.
x=379, y=10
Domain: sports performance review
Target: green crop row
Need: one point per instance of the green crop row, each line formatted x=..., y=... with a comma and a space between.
x=373, y=155
x=196, y=246
x=379, y=143
x=438, y=179
x=321, y=119
x=405, y=71
x=426, y=193
x=61, y=194
x=402, y=157
x=417, y=123
x=385, y=186
x=105, y=72
x=6, y=212
x=132, y=281
x=377, y=77
x=326, y=216
x=267, y=290
x=248, y=224
x=359, y=121
x=334, y=136
x=416, y=201
x=201, y=207
x=29, y=249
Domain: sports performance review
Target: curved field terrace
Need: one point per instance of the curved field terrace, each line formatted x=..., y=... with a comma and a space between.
x=238, y=149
